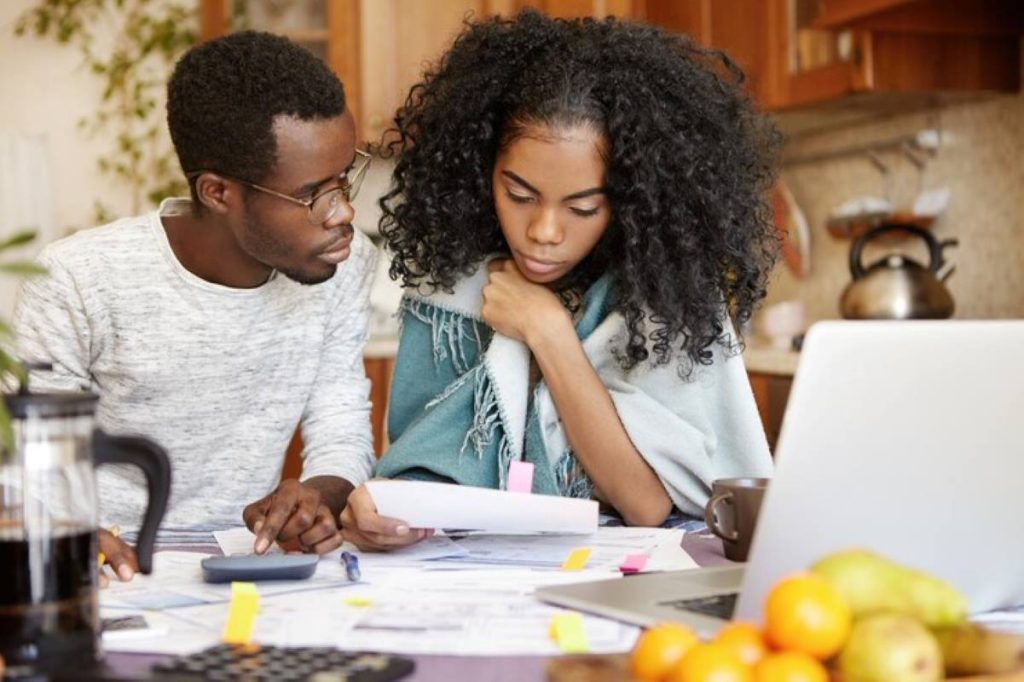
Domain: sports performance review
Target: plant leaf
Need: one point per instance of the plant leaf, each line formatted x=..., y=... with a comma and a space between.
x=19, y=238
x=6, y=432
x=23, y=269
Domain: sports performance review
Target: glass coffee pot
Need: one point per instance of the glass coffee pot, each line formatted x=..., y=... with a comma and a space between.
x=49, y=618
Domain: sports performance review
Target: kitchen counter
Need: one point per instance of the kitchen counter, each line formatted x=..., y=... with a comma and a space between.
x=763, y=358
x=380, y=347
x=758, y=357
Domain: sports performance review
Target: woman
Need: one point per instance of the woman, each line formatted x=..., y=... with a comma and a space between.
x=578, y=216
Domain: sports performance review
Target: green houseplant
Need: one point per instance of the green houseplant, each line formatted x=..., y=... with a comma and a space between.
x=11, y=370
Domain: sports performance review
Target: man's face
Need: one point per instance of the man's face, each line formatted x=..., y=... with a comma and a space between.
x=311, y=155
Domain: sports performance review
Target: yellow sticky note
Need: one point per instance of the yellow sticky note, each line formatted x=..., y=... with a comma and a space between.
x=245, y=604
x=115, y=531
x=359, y=602
x=567, y=632
x=577, y=559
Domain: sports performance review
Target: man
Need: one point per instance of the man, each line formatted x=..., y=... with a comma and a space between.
x=215, y=325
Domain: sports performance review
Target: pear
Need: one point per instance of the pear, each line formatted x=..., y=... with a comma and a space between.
x=975, y=650
x=890, y=647
x=871, y=583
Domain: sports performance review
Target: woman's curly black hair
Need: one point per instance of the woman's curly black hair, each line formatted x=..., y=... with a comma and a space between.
x=689, y=164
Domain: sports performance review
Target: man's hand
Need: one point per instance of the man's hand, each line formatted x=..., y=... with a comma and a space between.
x=369, y=531
x=120, y=556
x=295, y=517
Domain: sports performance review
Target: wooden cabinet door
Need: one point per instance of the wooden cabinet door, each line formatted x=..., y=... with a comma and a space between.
x=378, y=371
x=571, y=8
x=771, y=393
x=739, y=28
x=798, y=53
x=400, y=39
x=328, y=28
x=824, y=50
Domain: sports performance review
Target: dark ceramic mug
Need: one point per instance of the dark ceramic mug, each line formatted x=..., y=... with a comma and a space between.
x=731, y=513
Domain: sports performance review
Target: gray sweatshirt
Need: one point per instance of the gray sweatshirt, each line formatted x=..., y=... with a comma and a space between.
x=220, y=377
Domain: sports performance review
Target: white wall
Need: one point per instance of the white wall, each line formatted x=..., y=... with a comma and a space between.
x=44, y=92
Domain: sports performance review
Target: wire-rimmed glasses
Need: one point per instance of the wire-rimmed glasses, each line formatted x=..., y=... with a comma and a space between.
x=323, y=206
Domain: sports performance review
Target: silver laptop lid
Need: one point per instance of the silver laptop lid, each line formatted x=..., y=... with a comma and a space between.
x=906, y=438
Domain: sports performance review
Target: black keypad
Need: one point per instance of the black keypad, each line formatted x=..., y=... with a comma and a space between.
x=302, y=664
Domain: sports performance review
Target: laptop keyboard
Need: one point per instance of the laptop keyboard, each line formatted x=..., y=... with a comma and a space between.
x=718, y=605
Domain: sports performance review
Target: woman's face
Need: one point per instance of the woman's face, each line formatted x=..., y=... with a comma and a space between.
x=549, y=196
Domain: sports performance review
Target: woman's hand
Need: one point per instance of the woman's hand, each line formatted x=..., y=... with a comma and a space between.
x=369, y=531
x=516, y=307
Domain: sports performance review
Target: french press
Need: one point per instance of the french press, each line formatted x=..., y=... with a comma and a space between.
x=48, y=518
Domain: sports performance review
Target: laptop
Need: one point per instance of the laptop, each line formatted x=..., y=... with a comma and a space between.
x=906, y=438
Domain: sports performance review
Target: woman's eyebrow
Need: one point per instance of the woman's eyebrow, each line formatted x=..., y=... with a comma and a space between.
x=584, y=194
x=518, y=180
x=575, y=195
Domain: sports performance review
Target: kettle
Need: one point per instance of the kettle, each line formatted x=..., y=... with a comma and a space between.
x=897, y=287
x=49, y=618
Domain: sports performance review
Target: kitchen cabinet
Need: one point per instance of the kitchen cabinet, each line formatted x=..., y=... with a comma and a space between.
x=325, y=27
x=379, y=371
x=379, y=48
x=771, y=393
x=874, y=55
x=399, y=39
x=845, y=47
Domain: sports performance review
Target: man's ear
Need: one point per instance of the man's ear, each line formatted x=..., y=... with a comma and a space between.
x=216, y=193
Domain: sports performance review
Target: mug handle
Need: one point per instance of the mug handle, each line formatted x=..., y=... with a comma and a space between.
x=153, y=461
x=711, y=517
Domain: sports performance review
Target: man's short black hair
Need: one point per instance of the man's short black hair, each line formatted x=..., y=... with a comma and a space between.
x=224, y=95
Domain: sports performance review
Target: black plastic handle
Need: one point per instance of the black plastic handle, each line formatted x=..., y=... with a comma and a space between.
x=934, y=250
x=153, y=461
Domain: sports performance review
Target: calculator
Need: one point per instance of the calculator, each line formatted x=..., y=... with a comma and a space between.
x=253, y=662
x=255, y=568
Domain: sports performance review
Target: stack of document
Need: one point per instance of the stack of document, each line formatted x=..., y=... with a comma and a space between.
x=467, y=592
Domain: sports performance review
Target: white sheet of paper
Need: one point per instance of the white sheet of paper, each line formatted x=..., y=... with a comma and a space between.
x=424, y=504
x=177, y=581
x=238, y=541
x=472, y=613
x=431, y=598
x=609, y=548
x=168, y=634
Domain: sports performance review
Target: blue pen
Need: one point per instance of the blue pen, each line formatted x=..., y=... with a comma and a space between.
x=351, y=562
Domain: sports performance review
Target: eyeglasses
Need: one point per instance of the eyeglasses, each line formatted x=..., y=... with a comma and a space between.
x=323, y=206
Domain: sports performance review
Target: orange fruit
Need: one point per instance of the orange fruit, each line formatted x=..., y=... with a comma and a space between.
x=790, y=666
x=659, y=649
x=807, y=613
x=711, y=663
x=745, y=639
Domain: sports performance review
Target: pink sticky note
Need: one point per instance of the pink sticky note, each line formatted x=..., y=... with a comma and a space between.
x=634, y=563
x=520, y=477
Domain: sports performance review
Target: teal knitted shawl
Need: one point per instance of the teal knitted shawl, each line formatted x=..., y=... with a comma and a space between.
x=448, y=419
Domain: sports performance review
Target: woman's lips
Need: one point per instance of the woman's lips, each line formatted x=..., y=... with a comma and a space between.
x=539, y=267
